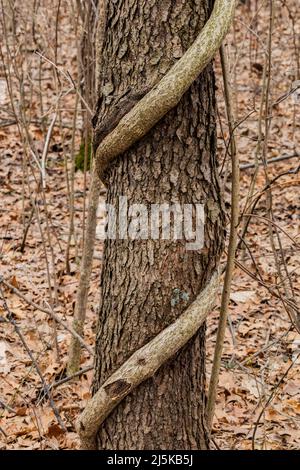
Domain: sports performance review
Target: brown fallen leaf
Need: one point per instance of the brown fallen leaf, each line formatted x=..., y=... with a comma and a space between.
x=292, y=389
x=22, y=411
x=14, y=282
x=54, y=430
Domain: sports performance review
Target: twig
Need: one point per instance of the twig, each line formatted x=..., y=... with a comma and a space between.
x=72, y=232
x=246, y=166
x=257, y=199
x=234, y=221
x=26, y=230
x=287, y=302
x=14, y=122
x=269, y=221
x=270, y=399
x=45, y=386
x=85, y=274
x=7, y=407
x=45, y=151
x=3, y=432
x=69, y=78
x=265, y=348
x=48, y=312
x=70, y=377
x=288, y=289
x=89, y=229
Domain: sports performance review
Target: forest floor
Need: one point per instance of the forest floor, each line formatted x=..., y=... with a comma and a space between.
x=258, y=400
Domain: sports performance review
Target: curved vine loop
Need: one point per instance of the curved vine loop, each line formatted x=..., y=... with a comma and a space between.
x=144, y=363
x=132, y=127
x=167, y=93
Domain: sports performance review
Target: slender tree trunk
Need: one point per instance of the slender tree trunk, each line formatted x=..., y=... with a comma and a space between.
x=146, y=284
x=92, y=38
x=87, y=49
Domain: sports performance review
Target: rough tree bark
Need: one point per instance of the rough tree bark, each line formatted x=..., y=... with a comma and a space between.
x=175, y=162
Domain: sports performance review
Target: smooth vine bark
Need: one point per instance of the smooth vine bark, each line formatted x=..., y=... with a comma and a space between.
x=174, y=163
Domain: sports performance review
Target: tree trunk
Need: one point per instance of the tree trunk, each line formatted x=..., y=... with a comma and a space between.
x=146, y=284
x=87, y=49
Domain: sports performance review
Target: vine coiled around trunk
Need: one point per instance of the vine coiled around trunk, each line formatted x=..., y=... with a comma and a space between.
x=132, y=127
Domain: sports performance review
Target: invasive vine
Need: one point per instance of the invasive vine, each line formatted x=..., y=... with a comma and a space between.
x=165, y=95
x=144, y=363
x=132, y=127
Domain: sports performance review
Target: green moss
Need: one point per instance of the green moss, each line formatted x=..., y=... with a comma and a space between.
x=79, y=158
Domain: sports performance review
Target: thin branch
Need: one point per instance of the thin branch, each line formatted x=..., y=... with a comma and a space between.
x=234, y=222
x=71, y=377
x=34, y=362
x=69, y=78
x=246, y=166
x=45, y=151
x=90, y=229
x=7, y=407
x=85, y=275
x=271, y=398
x=48, y=312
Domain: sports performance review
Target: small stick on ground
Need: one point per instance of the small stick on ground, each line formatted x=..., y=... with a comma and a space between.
x=38, y=370
x=48, y=312
x=70, y=377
